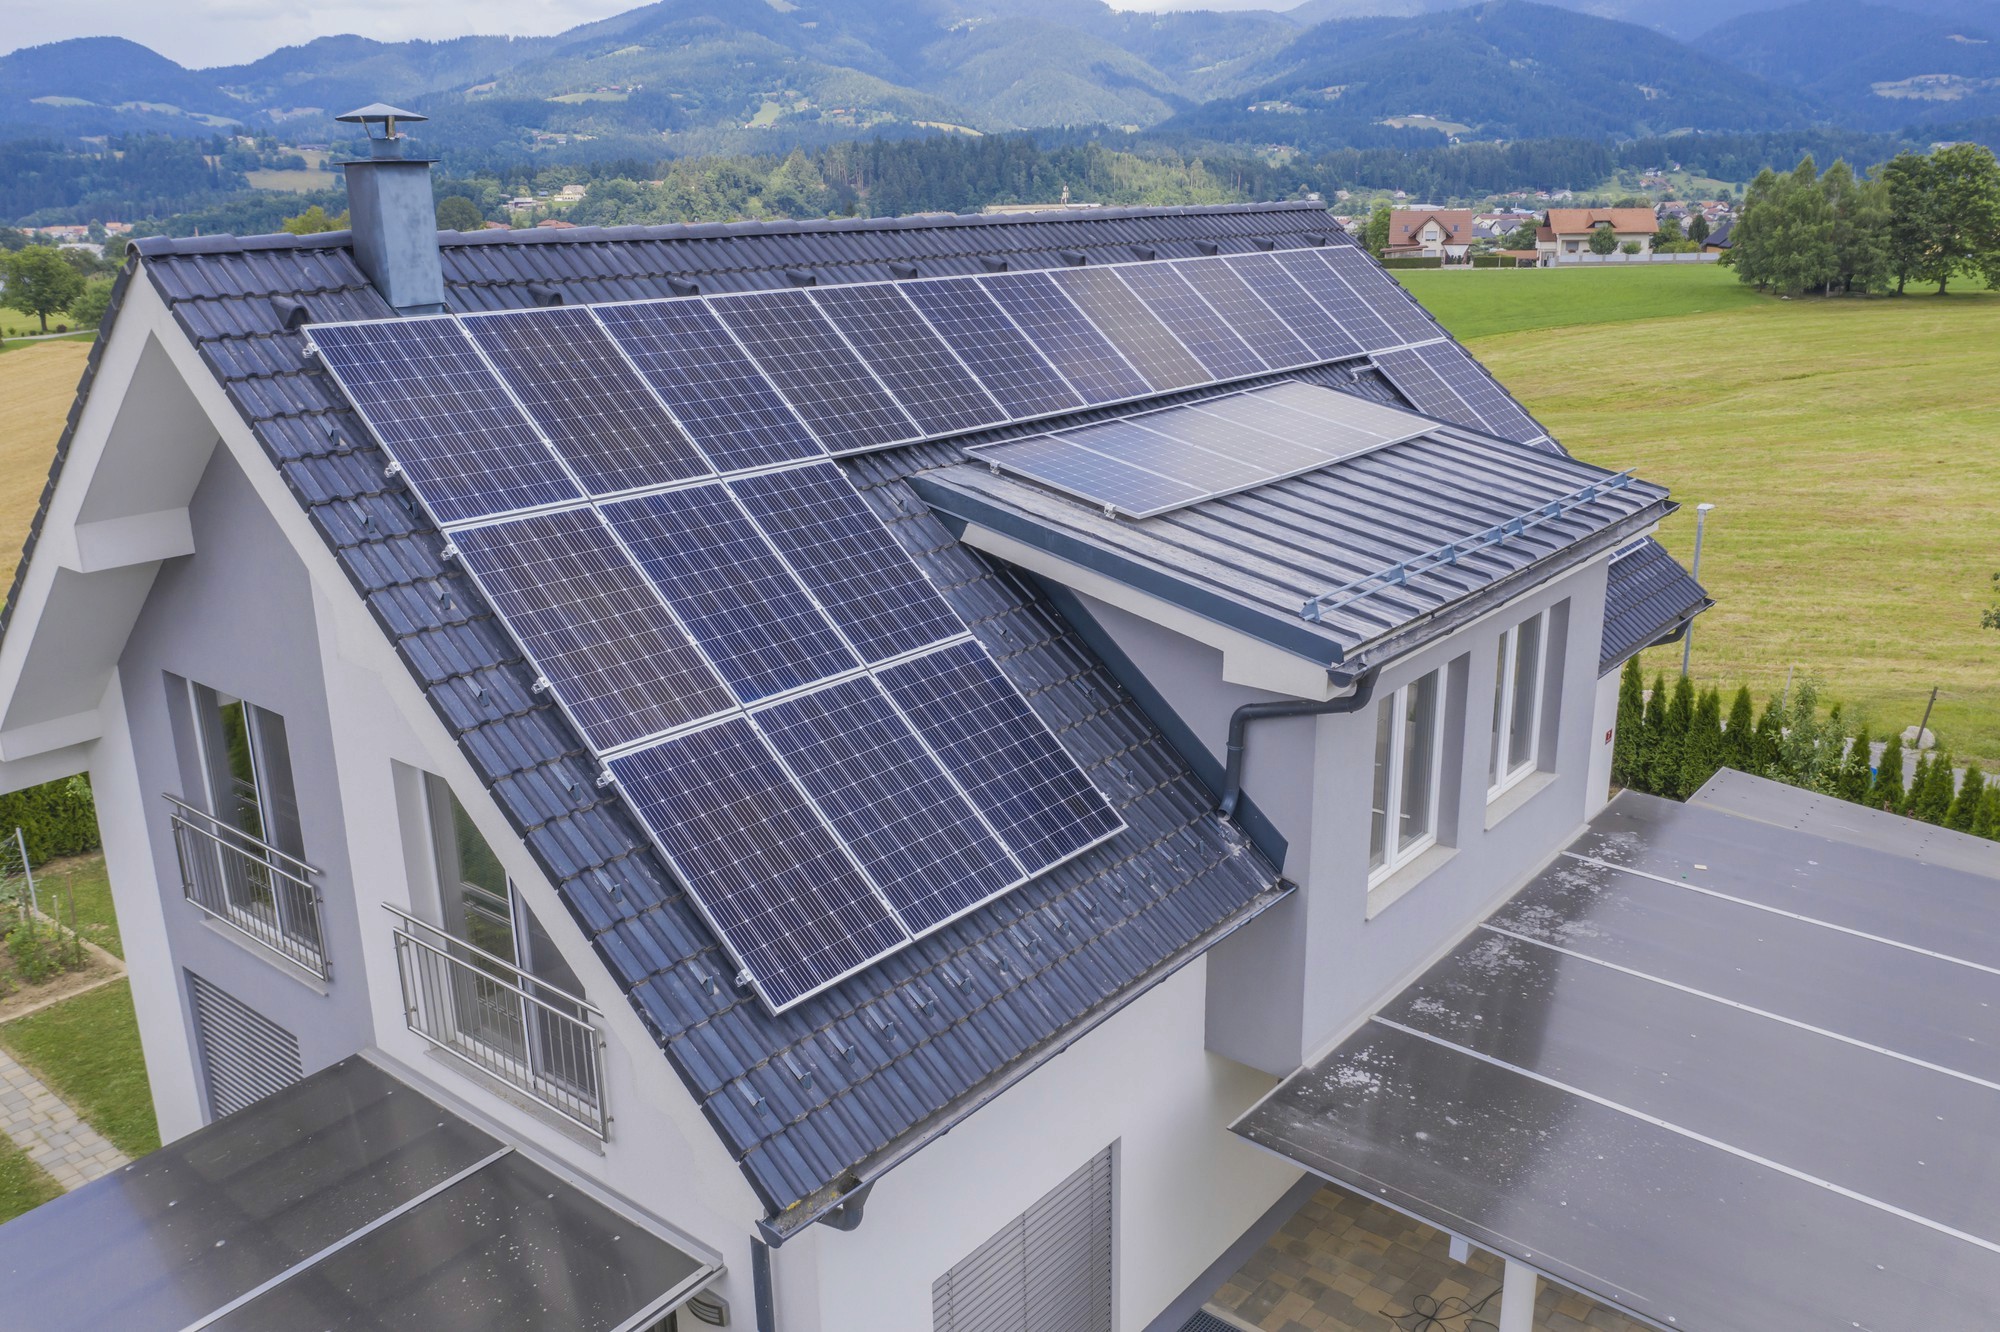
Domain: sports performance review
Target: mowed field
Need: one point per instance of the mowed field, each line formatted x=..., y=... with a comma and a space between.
x=37, y=385
x=1851, y=446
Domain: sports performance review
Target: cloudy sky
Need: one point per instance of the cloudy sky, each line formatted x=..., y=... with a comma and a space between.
x=200, y=33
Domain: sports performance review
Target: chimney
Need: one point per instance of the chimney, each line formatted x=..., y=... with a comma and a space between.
x=393, y=214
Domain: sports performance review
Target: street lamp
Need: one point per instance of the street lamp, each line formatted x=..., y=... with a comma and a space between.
x=1700, y=524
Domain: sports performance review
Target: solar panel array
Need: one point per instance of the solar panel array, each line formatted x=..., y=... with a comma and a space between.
x=1154, y=462
x=1443, y=380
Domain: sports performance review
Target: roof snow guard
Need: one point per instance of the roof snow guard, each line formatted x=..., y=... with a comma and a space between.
x=826, y=1096
x=1725, y=1065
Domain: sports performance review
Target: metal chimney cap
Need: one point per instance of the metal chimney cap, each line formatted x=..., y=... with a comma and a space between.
x=379, y=113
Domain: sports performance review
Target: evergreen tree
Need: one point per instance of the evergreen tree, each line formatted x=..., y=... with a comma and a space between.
x=1702, y=753
x=1919, y=788
x=1739, y=746
x=1931, y=799
x=1664, y=769
x=1656, y=725
x=1986, y=823
x=1627, y=754
x=1887, y=792
x=1852, y=783
x=1765, y=740
x=1698, y=228
x=1971, y=791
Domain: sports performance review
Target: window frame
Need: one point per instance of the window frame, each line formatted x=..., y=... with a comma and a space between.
x=1501, y=778
x=1395, y=857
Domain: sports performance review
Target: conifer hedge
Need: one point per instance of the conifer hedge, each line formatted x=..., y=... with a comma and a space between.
x=59, y=818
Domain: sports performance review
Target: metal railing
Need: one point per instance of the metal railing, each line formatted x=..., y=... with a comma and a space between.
x=250, y=886
x=483, y=1009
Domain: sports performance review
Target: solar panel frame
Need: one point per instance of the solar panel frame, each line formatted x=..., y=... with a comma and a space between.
x=1182, y=309
x=993, y=347
x=1413, y=377
x=1245, y=311
x=1384, y=296
x=686, y=354
x=1294, y=305
x=459, y=386
x=1153, y=349
x=611, y=429
x=758, y=627
x=920, y=371
x=1064, y=334
x=816, y=370
x=523, y=565
x=818, y=918
x=1355, y=315
x=1498, y=413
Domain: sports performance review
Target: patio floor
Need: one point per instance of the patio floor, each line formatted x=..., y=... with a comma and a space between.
x=1346, y=1264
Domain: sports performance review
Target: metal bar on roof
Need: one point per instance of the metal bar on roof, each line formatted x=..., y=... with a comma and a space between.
x=1399, y=574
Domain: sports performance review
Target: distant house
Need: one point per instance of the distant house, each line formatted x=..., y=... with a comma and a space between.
x=1717, y=241
x=1565, y=232
x=1432, y=233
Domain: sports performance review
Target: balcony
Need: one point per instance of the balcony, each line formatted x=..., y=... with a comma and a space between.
x=481, y=1008
x=250, y=886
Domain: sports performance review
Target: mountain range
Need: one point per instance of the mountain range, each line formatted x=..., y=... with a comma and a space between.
x=732, y=75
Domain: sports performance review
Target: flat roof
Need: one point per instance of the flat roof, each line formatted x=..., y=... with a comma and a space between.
x=1732, y=1064
x=350, y=1200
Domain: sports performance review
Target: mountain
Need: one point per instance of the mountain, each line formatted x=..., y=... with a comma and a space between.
x=97, y=85
x=1506, y=69
x=1686, y=20
x=1873, y=67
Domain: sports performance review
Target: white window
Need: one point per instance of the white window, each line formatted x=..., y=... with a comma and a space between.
x=1409, y=761
x=1518, y=670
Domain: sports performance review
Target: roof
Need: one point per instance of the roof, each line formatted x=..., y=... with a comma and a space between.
x=1718, y=239
x=1714, y=1066
x=1406, y=223
x=292, y=1213
x=840, y=1088
x=1648, y=599
x=1569, y=221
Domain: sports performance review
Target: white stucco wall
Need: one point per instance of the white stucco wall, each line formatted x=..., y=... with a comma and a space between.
x=1604, y=733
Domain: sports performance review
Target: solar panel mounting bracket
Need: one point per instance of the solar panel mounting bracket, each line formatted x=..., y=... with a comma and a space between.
x=605, y=779
x=448, y=551
x=541, y=686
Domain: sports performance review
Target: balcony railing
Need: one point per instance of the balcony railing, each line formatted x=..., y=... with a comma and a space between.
x=250, y=886
x=483, y=1009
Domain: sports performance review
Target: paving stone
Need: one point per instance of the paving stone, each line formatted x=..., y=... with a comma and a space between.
x=53, y=1135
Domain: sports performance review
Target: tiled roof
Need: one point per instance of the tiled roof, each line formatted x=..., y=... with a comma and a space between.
x=1405, y=223
x=1646, y=597
x=836, y=1090
x=1571, y=221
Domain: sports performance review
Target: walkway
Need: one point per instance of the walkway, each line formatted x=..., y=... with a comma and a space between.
x=53, y=1135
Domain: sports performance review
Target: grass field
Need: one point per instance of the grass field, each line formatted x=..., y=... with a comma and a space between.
x=1852, y=448
x=23, y=1184
x=85, y=878
x=37, y=385
x=87, y=1050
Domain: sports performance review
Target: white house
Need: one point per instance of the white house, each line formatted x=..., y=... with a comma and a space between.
x=548, y=994
x=1432, y=233
x=1565, y=233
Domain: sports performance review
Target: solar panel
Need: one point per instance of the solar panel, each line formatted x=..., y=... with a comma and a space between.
x=440, y=413
x=855, y=570
x=1355, y=315
x=1299, y=311
x=1132, y=443
x=931, y=383
x=1119, y=487
x=1384, y=295
x=768, y=872
x=1253, y=320
x=1012, y=766
x=1428, y=393
x=1499, y=414
x=1019, y=377
x=1203, y=331
x=1332, y=423
x=587, y=399
x=1148, y=344
x=1265, y=453
x=908, y=823
x=757, y=626
x=1061, y=332
x=815, y=370
x=592, y=624
x=684, y=352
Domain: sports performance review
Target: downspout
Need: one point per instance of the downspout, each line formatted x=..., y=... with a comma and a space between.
x=1239, y=726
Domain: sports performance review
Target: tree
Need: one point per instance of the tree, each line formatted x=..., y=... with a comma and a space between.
x=455, y=212
x=1376, y=237
x=1917, y=798
x=1971, y=791
x=1603, y=240
x=1986, y=823
x=1738, y=738
x=1964, y=212
x=1521, y=237
x=1752, y=247
x=1702, y=753
x=1860, y=211
x=1626, y=754
x=1907, y=179
x=87, y=310
x=1806, y=741
x=40, y=283
x=1669, y=233
x=1765, y=741
x=1698, y=228
x=313, y=221
x=1663, y=768
x=1887, y=793
x=1656, y=725
x=1851, y=783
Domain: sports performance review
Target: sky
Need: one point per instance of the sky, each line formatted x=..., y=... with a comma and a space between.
x=201, y=33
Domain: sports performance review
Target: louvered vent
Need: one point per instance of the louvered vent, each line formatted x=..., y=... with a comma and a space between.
x=244, y=1055
x=1048, y=1270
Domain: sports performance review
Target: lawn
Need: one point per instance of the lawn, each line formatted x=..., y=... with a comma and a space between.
x=85, y=877
x=37, y=384
x=87, y=1050
x=1851, y=446
x=23, y=1184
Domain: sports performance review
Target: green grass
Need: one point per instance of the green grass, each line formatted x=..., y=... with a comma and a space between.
x=87, y=1050
x=23, y=1184
x=1849, y=445
x=96, y=919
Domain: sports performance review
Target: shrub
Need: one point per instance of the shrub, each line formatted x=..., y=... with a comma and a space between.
x=1625, y=751
x=1663, y=770
x=1739, y=738
x=1971, y=791
x=1702, y=753
x=1930, y=796
x=59, y=818
x=1629, y=247
x=1852, y=782
x=1765, y=741
x=1986, y=823
x=43, y=950
x=1887, y=792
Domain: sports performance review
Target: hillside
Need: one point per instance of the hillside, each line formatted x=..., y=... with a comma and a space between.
x=1871, y=66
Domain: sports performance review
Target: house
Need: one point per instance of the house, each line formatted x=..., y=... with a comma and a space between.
x=497, y=657
x=1565, y=232
x=1431, y=233
x=1717, y=241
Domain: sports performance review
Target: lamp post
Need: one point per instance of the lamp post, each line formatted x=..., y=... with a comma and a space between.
x=1701, y=512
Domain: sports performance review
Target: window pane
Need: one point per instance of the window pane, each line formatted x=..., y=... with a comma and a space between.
x=1527, y=686
x=1420, y=722
x=276, y=794
x=1378, y=822
x=1499, y=745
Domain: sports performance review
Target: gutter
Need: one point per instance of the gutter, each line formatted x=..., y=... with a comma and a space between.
x=1239, y=729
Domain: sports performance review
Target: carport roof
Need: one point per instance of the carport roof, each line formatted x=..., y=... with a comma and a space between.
x=1726, y=1065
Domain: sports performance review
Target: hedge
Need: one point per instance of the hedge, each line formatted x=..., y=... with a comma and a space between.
x=59, y=818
